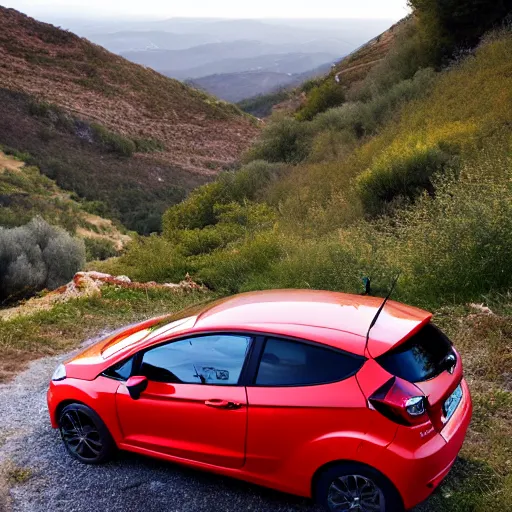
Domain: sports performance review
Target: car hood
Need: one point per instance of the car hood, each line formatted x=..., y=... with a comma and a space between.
x=105, y=352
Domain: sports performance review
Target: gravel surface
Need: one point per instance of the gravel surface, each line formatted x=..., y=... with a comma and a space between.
x=130, y=483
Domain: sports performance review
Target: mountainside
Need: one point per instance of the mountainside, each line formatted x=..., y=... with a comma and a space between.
x=235, y=87
x=253, y=85
x=182, y=137
x=350, y=69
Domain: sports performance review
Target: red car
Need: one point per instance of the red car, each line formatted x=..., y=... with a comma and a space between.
x=286, y=389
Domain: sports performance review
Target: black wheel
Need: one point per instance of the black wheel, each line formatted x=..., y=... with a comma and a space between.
x=84, y=434
x=356, y=488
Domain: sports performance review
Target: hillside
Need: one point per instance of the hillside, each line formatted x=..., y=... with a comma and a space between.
x=350, y=70
x=25, y=193
x=252, y=85
x=183, y=137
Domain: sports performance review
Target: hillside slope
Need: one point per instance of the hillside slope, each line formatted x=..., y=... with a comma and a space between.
x=195, y=134
x=25, y=193
x=353, y=68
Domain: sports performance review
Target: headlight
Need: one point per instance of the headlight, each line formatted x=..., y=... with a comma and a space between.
x=59, y=373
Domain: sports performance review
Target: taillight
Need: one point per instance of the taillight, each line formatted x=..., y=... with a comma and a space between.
x=401, y=402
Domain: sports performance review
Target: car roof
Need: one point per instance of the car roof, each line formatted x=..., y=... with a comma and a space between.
x=317, y=310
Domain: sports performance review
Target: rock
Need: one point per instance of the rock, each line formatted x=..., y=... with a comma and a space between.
x=124, y=279
x=481, y=309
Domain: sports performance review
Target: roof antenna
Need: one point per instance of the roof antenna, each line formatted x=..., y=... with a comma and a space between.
x=379, y=311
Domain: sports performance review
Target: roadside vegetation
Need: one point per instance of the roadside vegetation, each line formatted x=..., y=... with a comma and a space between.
x=37, y=256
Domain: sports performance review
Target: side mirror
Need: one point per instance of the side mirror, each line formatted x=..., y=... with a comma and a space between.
x=136, y=385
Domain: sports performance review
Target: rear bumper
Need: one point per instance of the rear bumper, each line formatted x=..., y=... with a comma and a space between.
x=419, y=467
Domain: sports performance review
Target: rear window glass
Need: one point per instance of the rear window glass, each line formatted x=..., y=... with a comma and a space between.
x=420, y=358
x=291, y=363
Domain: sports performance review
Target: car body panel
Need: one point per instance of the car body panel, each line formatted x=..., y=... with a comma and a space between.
x=336, y=319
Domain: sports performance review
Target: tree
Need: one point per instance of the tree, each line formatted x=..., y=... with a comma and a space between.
x=459, y=23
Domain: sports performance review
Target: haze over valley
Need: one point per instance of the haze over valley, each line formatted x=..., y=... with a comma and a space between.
x=233, y=59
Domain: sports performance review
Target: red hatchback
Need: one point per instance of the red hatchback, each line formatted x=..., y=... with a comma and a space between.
x=285, y=389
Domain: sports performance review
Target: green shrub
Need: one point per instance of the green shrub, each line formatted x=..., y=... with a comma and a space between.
x=458, y=246
x=151, y=258
x=365, y=118
x=193, y=242
x=403, y=173
x=37, y=256
x=99, y=249
x=282, y=140
x=230, y=269
x=113, y=142
x=411, y=52
x=321, y=98
x=196, y=212
x=199, y=209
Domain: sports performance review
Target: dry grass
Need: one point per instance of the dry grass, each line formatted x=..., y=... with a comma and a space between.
x=481, y=480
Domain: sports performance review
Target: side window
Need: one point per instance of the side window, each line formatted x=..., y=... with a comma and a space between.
x=214, y=360
x=291, y=363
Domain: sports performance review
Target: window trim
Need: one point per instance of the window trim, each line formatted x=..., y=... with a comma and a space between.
x=140, y=355
x=315, y=344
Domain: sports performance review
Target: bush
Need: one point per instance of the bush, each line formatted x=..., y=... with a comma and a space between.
x=198, y=210
x=230, y=269
x=321, y=98
x=403, y=173
x=282, y=140
x=456, y=23
x=113, y=142
x=151, y=258
x=37, y=256
x=99, y=249
x=458, y=246
x=411, y=52
x=148, y=145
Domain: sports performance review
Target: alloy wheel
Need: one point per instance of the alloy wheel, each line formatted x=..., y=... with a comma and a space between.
x=80, y=435
x=355, y=493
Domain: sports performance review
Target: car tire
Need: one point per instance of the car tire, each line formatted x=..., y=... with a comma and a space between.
x=354, y=485
x=84, y=435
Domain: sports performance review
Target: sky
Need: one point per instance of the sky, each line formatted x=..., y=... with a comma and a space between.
x=386, y=9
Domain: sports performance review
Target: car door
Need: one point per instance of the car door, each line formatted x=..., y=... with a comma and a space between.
x=300, y=392
x=193, y=407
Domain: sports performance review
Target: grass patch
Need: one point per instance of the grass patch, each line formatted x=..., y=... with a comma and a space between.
x=18, y=476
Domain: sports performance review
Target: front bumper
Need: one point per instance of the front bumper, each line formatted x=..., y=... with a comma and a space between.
x=418, y=466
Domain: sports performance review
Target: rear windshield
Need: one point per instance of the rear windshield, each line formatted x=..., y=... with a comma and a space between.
x=420, y=358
